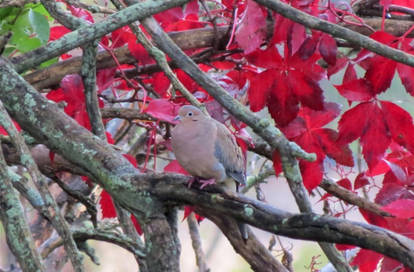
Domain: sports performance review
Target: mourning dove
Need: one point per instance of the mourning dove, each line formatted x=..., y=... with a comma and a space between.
x=206, y=149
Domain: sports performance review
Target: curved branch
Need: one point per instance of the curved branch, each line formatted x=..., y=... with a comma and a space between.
x=257, y=255
x=92, y=32
x=309, y=226
x=337, y=31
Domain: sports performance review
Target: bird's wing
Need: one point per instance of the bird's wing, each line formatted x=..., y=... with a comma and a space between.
x=229, y=154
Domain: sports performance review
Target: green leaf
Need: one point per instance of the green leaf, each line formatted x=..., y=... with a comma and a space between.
x=8, y=50
x=5, y=12
x=23, y=35
x=6, y=18
x=41, y=9
x=40, y=25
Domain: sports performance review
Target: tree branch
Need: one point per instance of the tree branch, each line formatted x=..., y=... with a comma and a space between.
x=55, y=216
x=352, y=198
x=189, y=39
x=257, y=255
x=18, y=235
x=196, y=242
x=92, y=32
x=337, y=31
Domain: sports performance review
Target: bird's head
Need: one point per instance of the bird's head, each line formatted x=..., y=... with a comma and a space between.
x=189, y=113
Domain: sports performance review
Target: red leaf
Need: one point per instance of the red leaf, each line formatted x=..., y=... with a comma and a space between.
x=339, y=65
x=259, y=90
x=360, y=181
x=282, y=113
x=311, y=173
x=406, y=74
x=383, y=37
x=380, y=73
x=277, y=164
x=52, y=156
x=366, y=121
x=4, y=132
x=397, y=171
x=307, y=49
x=122, y=36
x=344, y=246
x=307, y=132
x=296, y=37
x=105, y=78
x=131, y=159
x=389, y=264
x=188, y=210
x=161, y=84
x=139, y=52
x=175, y=167
x=367, y=260
x=283, y=26
x=402, y=208
x=71, y=91
x=136, y=224
x=269, y=58
x=296, y=128
x=328, y=49
x=251, y=31
x=56, y=32
x=346, y=183
x=309, y=93
x=107, y=205
x=350, y=73
x=400, y=124
x=338, y=151
x=385, y=3
x=162, y=109
x=320, y=118
x=390, y=192
x=81, y=13
x=355, y=90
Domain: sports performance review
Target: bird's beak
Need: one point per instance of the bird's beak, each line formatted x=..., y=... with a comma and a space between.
x=177, y=118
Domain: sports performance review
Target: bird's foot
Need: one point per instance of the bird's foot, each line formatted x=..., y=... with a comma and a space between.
x=205, y=182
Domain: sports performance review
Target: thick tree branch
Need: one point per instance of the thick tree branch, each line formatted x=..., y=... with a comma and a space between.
x=92, y=32
x=39, y=180
x=17, y=231
x=256, y=254
x=394, y=27
x=337, y=31
x=189, y=39
x=308, y=226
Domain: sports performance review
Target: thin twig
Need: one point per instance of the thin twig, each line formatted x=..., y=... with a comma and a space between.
x=196, y=242
x=352, y=198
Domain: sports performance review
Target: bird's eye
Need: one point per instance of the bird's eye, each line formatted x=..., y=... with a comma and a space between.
x=190, y=114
